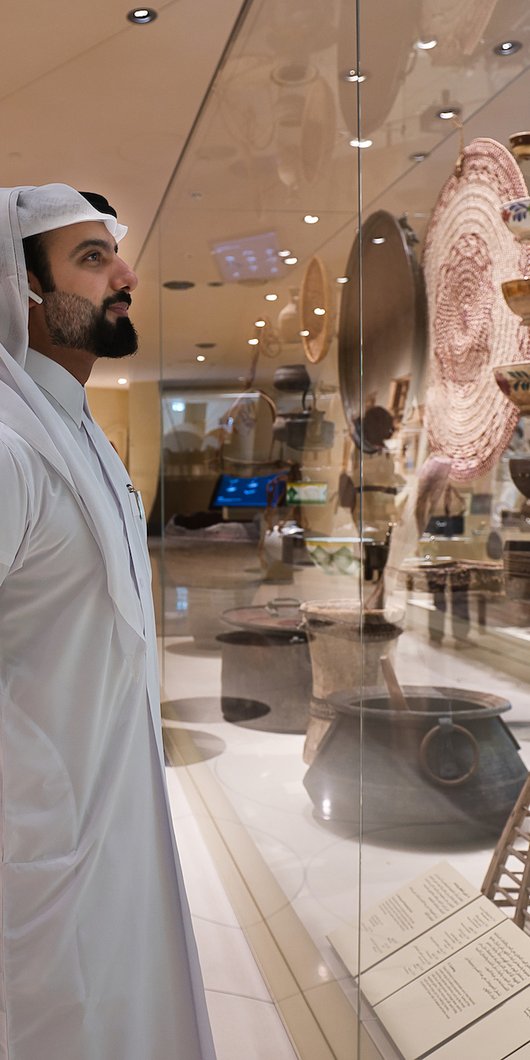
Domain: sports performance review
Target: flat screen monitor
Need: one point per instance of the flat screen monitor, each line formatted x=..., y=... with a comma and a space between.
x=256, y=491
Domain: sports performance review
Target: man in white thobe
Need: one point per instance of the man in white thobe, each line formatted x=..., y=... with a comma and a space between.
x=98, y=960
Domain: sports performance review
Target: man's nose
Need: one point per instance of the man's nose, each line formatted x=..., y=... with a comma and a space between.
x=124, y=276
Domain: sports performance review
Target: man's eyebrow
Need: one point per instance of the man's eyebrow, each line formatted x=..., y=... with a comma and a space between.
x=86, y=243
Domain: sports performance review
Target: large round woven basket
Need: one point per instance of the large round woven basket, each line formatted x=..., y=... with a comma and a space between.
x=316, y=294
x=468, y=253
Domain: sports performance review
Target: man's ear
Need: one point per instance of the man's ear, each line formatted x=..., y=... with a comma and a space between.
x=35, y=290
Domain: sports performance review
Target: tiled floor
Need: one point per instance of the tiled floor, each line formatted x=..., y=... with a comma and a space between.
x=314, y=870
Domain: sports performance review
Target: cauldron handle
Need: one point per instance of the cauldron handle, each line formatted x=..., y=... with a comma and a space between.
x=444, y=728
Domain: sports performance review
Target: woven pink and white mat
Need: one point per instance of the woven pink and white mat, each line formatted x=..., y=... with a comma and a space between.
x=468, y=253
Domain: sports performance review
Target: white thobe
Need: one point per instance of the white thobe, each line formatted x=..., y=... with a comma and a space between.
x=98, y=959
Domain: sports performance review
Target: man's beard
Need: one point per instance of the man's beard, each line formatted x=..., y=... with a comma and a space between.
x=76, y=323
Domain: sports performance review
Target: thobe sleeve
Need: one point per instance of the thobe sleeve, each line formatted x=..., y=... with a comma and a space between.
x=14, y=513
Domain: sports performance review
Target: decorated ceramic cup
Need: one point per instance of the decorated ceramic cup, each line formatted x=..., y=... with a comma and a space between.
x=516, y=215
x=520, y=145
x=514, y=381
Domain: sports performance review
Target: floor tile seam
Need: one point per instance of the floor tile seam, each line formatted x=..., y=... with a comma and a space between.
x=270, y=1003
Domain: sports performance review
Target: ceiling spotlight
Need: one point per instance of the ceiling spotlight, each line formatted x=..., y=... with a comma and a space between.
x=271, y=297
x=252, y=342
x=290, y=261
x=353, y=77
x=378, y=240
x=201, y=357
x=342, y=279
x=361, y=143
x=418, y=156
x=426, y=45
x=446, y=113
x=311, y=218
x=260, y=323
x=122, y=380
x=319, y=312
x=142, y=15
x=507, y=47
x=304, y=333
x=284, y=253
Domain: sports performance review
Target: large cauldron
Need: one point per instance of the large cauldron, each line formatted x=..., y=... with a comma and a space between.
x=450, y=760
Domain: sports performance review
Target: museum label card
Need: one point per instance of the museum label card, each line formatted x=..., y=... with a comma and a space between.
x=458, y=991
x=402, y=917
x=430, y=949
x=496, y=1036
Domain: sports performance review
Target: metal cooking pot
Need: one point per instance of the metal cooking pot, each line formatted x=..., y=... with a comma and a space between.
x=448, y=763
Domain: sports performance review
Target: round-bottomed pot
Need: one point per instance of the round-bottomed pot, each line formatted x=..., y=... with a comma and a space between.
x=450, y=760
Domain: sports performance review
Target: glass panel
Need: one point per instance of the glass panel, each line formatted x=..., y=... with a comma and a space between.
x=341, y=592
x=445, y=666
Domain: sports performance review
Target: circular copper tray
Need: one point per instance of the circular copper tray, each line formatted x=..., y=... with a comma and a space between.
x=394, y=322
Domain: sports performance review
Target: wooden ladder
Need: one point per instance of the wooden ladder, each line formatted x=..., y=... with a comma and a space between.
x=507, y=881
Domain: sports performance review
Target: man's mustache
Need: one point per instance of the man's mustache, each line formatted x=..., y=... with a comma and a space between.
x=122, y=296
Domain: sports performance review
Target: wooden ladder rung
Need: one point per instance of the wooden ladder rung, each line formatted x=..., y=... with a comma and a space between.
x=520, y=854
x=507, y=894
x=517, y=877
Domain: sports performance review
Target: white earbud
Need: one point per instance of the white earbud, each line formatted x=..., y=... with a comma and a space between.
x=35, y=297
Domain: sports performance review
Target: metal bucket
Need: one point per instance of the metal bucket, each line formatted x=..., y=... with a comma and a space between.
x=449, y=761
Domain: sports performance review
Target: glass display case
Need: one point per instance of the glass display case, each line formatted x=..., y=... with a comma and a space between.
x=340, y=527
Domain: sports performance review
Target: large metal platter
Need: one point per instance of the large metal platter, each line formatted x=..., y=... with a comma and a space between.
x=382, y=265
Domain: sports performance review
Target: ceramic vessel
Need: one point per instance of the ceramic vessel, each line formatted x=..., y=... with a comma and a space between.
x=520, y=146
x=345, y=653
x=517, y=297
x=516, y=216
x=514, y=381
x=520, y=472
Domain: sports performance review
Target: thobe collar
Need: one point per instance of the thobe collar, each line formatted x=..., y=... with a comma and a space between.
x=58, y=383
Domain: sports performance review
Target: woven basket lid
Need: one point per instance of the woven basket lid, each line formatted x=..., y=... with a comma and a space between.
x=468, y=253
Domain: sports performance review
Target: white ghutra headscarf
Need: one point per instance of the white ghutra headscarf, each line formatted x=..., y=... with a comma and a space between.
x=27, y=211
x=24, y=410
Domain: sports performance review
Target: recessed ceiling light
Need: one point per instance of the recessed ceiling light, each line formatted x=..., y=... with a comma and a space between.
x=311, y=218
x=378, y=240
x=319, y=312
x=122, y=380
x=446, y=113
x=507, y=47
x=271, y=297
x=142, y=15
x=353, y=77
x=259, y=323
x=426, y=45
x=342, y=279
x=290, y=261
x=252, y=342
x=361, y=143
x=304, y=333
x=205, y=345
x=201, y=357
x=418, y=156
x=178, y=285
x=284, y=253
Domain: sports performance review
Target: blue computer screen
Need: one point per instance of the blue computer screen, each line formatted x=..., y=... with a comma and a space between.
x=234, y=491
